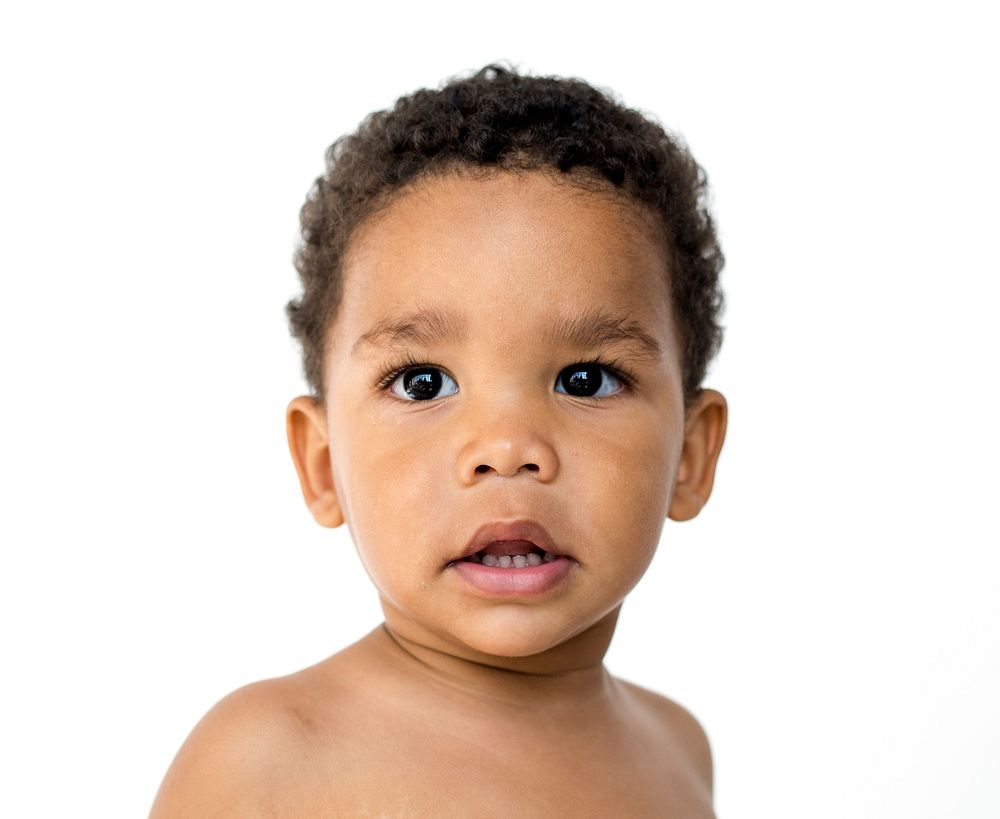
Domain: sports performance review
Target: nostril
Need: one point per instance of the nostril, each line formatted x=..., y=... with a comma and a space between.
x=482, y=469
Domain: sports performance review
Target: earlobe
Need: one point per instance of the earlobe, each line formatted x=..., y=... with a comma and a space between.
x=704, y=432
x=308, y=441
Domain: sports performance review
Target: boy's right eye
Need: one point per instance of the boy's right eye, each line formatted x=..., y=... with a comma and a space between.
x=423, y=384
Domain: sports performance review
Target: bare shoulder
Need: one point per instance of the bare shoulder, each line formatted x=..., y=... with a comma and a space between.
x=677, y=726
x=240, y=755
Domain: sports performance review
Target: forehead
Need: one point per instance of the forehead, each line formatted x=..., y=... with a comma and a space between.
x=505, y=250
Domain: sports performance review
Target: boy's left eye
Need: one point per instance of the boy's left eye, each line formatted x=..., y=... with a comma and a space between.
x=423, y=384
x=588, y=381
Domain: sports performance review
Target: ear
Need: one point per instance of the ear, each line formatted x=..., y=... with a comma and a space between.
x=704, y=432
x=309, y=443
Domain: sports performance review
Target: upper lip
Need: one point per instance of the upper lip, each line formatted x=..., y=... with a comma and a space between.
x=509, y=530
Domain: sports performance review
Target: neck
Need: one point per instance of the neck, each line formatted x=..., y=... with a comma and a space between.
x=570, y=674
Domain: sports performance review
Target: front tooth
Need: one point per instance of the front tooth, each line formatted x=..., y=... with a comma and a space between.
x=549, y=557
x=520, y=561
x=534, y=559
x=504, y=561
x=490, y=560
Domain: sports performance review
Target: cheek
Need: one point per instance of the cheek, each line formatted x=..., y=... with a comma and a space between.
x=628, y=478
x=391, y=490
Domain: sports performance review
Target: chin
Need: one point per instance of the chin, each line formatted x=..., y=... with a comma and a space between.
x=511, y=647
x=511, y=641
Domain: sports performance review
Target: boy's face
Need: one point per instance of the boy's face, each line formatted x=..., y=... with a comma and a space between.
x=504, y=353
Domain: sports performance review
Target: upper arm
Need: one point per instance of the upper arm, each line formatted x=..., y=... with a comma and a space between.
x=229, y=764
x=692, y=740
x=687, y=739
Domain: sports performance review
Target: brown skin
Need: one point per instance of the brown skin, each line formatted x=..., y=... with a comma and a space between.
x=462, y=704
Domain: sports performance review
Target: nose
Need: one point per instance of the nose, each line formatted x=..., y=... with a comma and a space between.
x=508, y=447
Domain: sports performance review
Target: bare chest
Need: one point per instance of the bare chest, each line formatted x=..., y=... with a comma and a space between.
x=402, y=772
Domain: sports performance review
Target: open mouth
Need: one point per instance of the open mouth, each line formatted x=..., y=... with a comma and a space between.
x=520, y=544
x=511, y=554
x=512, y=559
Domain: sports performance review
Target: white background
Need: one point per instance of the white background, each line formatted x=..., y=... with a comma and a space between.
x=833, y=617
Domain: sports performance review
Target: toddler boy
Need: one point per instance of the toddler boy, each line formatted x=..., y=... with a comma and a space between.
x=510, y=297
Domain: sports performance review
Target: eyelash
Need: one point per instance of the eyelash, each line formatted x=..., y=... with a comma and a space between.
x=616, y=368
x=408, y=362
x=396, y=369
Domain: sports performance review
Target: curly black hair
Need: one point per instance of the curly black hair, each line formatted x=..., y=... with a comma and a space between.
x=500, y=120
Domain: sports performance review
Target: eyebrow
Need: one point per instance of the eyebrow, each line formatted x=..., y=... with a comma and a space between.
x=421, y=327
x=588, y=332
x=598, y=329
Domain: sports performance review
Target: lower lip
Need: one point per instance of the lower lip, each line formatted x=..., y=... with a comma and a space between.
x=526, y=582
